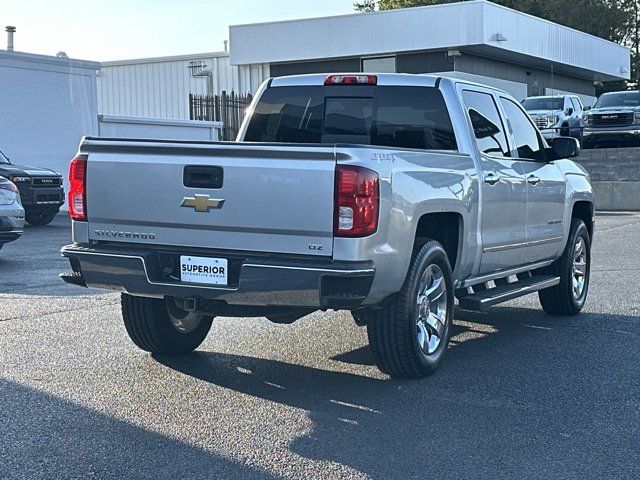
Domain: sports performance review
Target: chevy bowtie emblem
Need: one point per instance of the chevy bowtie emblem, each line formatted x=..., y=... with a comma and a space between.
x=201, y=203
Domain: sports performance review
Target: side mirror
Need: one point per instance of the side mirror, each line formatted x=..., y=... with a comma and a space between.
x=564, y=147
x=588, y=107
x=569, y=111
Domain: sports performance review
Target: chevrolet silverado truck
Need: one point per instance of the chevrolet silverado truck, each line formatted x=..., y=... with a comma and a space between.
x=557, y=115
x=386, y=195
x=41, y=190
x=614, y=121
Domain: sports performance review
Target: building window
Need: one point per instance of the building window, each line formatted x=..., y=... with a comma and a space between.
x=379, y=65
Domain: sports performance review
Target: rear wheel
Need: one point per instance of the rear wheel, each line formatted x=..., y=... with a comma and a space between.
x=409, y=335
x=573, y=268
x=159, y=326
x=39, y=217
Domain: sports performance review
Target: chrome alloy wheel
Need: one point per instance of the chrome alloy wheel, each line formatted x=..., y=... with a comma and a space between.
x=431, y=310
x=579, y=268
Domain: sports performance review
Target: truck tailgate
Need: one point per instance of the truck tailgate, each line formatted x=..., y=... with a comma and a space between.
x=243, y=197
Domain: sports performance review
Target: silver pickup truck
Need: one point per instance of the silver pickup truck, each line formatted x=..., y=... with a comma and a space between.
x=387, y=195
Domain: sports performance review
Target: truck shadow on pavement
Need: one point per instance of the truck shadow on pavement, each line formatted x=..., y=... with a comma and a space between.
x=509, y=401
x=95, y=445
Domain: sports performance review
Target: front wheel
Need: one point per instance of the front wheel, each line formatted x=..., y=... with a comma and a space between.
x=408, y=336
x=573, y=268
x=39, y=217
x=157, y=325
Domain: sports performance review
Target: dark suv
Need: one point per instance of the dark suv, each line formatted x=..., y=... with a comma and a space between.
x=614, y=121
x=41, y=190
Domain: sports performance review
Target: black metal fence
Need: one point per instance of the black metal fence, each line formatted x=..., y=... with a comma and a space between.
x=228, y=108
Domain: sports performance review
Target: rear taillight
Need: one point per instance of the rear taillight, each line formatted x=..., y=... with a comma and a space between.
x=351, y=80
x=357, y=201
x=78, y=188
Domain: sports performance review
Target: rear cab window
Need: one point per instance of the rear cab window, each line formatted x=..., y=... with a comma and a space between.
x=390, y=116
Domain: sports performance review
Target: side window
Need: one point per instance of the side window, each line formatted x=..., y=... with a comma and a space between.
x=577, y=106
x=287, y=114
x=486, y=123
x=524, y=133
x=412, y=117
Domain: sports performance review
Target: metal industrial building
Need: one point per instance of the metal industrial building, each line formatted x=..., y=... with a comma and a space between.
x=48, y=104
x=160, y=87
x=528, y=55
x=476, y=40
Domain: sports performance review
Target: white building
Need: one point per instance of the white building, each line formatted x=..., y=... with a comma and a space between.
x=48, y=104
x=476, y=40
x=525, y=54
x=160, y=87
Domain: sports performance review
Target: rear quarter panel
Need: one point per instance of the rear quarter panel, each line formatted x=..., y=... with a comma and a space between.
x=412, y=184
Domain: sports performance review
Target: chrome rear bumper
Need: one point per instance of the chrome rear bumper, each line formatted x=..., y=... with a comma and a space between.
x=257, y=281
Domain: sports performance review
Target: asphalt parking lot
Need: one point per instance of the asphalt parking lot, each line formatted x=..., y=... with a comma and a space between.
x=520, y=394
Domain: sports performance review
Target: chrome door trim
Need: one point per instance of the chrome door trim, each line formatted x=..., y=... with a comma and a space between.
x=543, y=241
x=509, y=246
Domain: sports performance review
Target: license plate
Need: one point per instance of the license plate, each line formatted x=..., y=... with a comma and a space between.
x=210, y=271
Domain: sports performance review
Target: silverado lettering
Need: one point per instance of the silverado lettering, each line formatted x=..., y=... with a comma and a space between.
x=120, y=234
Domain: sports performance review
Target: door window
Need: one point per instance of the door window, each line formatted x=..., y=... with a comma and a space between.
x=487, y=125
x=577, y=107
x=525, y=135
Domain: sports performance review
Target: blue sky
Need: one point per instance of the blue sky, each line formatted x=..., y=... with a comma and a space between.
x=119, y=29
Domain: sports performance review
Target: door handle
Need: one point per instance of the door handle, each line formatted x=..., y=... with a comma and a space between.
x=533, y=180
x=491, y=178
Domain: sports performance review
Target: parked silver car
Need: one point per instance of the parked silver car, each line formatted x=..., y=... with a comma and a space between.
x=11, y=212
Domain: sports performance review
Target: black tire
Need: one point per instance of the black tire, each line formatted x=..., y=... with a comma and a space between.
x=39, y=217
x=149, y=325
x=560, y=300
x=392, y=330
x=564, y=130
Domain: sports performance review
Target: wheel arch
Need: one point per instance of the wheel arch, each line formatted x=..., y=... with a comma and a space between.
x=444, y=227
x=584, y=210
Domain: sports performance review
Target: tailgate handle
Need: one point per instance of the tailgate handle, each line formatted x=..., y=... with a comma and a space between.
x=199, y=176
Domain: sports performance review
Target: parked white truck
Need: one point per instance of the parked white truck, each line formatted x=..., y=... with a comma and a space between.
x=387, y=195
x=556, y=115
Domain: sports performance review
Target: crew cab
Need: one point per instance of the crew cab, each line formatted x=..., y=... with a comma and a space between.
x=387, y=195
x=556, y=115
x=614, y=121
x=41, y=190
